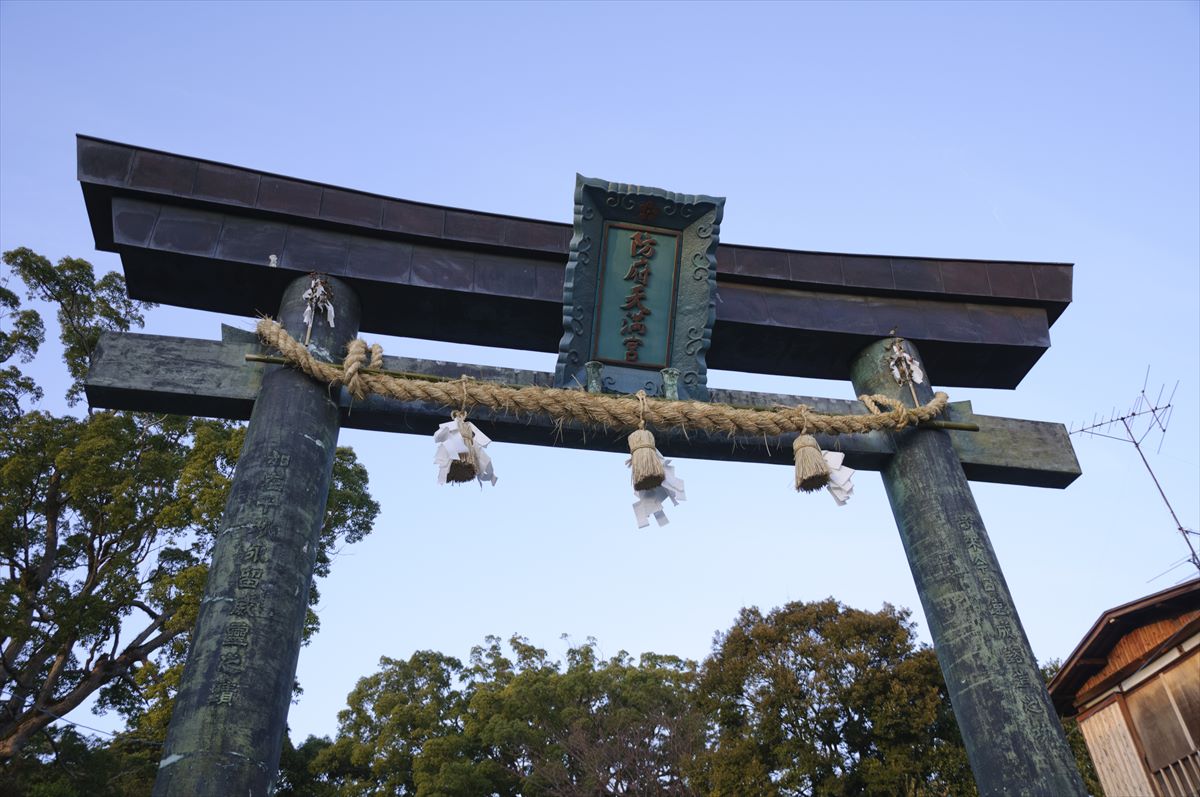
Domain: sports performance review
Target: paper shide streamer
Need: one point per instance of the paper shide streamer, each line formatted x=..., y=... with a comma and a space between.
x=816, y=469
x=905, y=369
x=650, y=501
x=461, y=455
x=317, y=299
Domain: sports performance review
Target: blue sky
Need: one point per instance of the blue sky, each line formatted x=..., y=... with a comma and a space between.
x=1051, y=132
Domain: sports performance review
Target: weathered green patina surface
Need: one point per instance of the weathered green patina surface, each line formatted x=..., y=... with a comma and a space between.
x=1002, y=708
x=186, y=229
x=152, y=373
x=1013, y=738
x=640, y=286
x=230, y=715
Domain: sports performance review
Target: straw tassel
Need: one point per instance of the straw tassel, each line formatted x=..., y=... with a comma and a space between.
x=461, y=456
x=464, y=467
x=812, y=471
x=644, y=458
x=647, y=465
x=461, y=471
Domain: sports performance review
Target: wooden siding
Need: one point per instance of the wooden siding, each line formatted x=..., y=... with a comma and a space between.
x=1136, y=644
x=1183, y=680
x=1180, y=778
x=1176, y=759
x=1158, y=725
x=1114, y=753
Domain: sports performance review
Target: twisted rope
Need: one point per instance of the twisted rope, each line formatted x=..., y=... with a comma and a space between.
x=594, y=409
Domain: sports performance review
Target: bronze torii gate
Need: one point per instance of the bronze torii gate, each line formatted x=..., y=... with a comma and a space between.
x=198, y=234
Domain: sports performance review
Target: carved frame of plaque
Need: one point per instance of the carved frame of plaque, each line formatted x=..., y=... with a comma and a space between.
x=607, y=217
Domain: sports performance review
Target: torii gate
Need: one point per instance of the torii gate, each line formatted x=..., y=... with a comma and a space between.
x=188, y=229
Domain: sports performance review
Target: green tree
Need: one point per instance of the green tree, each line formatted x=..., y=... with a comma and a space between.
x=299, y=775
x=86, y=308
x=525, y=725
x=392, y=719
x=820, y=699
x=63, y=763
x=1078, y=745
x=595, y=726
x=810, y=699
x=21, y=334
x=106, y=526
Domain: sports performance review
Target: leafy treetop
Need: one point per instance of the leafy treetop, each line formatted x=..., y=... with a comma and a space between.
x=107, y=523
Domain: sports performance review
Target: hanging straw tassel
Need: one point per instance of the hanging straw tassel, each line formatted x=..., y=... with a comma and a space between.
x=464, y=467
x=645, y=460
x=647, y=465
x=812, y=471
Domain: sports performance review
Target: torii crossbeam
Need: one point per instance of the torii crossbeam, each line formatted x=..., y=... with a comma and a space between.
x=187, y=230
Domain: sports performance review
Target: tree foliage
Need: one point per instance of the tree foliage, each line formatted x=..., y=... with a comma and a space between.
x=65, y=763
x=591, y=726
x=1075, y=740
x=524, y=725
x=820, y=699
x=21, y=335
x=809, y=699
x=85, y=307
x=298, y=775
x=106, y=525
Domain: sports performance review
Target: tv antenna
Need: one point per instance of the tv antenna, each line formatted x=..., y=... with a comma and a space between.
x=1143, y=418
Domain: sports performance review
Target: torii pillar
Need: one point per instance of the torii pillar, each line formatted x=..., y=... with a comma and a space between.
x=1014, y=741
x=227, y=727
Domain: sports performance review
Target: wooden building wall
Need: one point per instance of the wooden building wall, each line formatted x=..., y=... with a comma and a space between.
x=1136, y=644
x=1114, y=753
x=1143, y=740
x=1166, y=715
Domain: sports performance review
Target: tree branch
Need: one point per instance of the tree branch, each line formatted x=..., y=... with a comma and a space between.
x=145, y=608
x=16, y=735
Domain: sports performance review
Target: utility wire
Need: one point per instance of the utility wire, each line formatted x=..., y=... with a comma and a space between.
x=112, y=734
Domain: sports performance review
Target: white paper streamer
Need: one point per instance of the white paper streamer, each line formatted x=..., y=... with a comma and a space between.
x=317, y=297
x=840, y=486
x=451, y=444
x=650, y=502
x=904, y=368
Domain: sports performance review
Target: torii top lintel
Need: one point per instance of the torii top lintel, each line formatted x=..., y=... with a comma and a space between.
x=194, y=233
